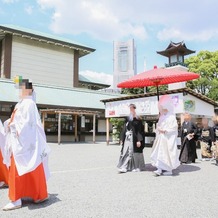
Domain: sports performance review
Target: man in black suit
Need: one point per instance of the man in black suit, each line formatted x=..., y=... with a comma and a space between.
x=188, y=140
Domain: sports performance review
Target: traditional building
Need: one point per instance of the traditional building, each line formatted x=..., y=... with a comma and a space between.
x=185, y=100
x=176, y=52
x=90, y=83
x=52, y=63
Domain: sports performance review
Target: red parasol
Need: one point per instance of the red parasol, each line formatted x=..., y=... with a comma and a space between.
x=156, y=77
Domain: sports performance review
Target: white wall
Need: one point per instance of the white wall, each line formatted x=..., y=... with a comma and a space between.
x=42, y=62
x=201, y=108
x=102, y=125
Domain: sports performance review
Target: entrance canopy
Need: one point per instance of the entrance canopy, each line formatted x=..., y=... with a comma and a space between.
x=73, y=112
x=69, y=111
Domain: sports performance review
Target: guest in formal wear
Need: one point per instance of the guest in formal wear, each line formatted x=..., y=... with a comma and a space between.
x=132, y=140
x=215, y=141
x=188, y=140
x=206, y=140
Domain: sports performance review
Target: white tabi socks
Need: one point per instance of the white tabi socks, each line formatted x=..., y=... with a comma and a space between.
x=158, y=172
x=13, y=205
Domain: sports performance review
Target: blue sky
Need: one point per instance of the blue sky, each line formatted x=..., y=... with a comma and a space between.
x=97, y=23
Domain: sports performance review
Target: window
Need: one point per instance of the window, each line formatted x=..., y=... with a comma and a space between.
x=123, y=59
x=173, y=58
x=180, y=58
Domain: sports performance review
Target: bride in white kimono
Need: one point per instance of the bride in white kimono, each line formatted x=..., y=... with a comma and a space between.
x=165, y=154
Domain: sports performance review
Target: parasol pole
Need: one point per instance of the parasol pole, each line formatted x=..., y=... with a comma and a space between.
x=157, y=93
x=156, y=82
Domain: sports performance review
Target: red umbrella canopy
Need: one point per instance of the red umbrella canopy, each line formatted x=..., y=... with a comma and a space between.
x=156, y=77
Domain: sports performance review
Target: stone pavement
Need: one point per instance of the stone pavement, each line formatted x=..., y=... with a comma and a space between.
x=85, y=184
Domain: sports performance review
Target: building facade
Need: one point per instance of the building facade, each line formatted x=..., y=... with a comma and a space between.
x=43, y=58
x=124, y=61
x=70, y=105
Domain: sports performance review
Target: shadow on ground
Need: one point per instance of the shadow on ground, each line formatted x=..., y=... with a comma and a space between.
x=149, y=167
x=33, y=206
x=185, y=168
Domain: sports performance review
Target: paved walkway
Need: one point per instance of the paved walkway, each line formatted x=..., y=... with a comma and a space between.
x=85, y=184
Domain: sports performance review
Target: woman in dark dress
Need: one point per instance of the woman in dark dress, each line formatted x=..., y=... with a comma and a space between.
x=188, y=140
x=132, y=140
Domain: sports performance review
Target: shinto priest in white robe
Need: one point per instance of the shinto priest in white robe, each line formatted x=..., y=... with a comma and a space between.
x=165, y=154
x=25, y=138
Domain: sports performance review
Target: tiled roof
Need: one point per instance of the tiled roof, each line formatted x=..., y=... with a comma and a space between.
x=87, y=79
x=182, y=90
x=58, y=97
x=44, y=37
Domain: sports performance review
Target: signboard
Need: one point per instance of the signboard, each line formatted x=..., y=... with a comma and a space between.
x=121, y=108
x=144, y=106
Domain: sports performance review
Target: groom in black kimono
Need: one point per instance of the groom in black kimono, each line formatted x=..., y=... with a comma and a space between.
x=188, y=140
x=132, y=138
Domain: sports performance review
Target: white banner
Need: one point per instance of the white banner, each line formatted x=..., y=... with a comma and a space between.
x=144, y=106
x=121, y=108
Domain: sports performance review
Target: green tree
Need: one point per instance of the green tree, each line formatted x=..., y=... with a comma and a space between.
x=118, y=124
x=132, y=91
x=149, y=89
x=206, y=64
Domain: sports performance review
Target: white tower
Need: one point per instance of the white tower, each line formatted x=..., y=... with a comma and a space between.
x=124, y=61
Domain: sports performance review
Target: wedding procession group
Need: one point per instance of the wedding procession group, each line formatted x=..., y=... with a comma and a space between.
x=165, y=155
x=24, y=151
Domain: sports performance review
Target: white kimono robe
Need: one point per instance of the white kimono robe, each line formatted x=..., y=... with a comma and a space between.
x=165, y=154
x=25, y=139
x=2, y=137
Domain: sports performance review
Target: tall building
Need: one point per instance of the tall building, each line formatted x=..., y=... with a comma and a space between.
x=124, y=61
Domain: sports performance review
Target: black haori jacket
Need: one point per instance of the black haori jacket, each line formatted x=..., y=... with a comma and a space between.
x=138, y=134
x=188, y=127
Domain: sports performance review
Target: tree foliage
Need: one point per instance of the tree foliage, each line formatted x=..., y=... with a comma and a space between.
x=117, y=123
x=149, y=89
x=206, y=64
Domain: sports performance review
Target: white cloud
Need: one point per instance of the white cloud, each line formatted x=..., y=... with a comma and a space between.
x=174, y=33
x=93, y=17
x=117, y=19
x=102, y=77
x=9, y=1
x=29, y=9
